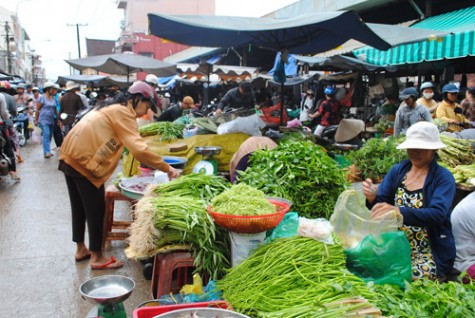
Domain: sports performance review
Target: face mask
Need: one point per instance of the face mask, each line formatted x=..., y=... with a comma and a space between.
x=428, y=95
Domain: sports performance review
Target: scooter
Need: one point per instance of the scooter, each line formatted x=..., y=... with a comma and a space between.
x=5, y=161
x=20, y=123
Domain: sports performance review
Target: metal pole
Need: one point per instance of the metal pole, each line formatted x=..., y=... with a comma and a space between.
x=9, y=61
x=79, y=42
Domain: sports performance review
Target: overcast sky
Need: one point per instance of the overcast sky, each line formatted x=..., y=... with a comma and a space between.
x=46, y=23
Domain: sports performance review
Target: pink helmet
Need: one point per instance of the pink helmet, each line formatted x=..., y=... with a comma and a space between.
x=5, y=84
x=146, y=91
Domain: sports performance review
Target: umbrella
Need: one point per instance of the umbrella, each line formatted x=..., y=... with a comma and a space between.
x=124, y=64
x=96, y=80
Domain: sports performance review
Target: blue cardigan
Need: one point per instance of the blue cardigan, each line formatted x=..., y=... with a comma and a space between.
x=438, y=194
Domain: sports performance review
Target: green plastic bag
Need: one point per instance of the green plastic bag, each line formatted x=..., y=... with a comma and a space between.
x=288, y=227
x=382, y=259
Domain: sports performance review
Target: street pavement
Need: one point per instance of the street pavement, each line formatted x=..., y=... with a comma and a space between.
x=38, y=274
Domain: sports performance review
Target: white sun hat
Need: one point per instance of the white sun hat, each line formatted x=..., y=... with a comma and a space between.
x=422, y=135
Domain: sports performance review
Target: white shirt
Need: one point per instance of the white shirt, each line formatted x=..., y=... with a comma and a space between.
x=305, y=107
x=463, y=227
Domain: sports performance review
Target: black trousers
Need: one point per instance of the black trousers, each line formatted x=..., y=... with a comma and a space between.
x=57, y=134
x=87, y=206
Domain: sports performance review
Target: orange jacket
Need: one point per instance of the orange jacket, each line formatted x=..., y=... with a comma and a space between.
x=94, y=146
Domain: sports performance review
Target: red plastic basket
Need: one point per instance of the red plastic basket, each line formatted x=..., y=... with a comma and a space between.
x=254, y=223
x=150, y=312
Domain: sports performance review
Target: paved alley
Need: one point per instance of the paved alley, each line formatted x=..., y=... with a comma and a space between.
x=38, y=274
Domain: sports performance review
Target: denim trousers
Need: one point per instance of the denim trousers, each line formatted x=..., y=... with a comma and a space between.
x=47, y=130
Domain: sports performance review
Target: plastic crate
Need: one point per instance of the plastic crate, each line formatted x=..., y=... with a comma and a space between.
x=150, y=312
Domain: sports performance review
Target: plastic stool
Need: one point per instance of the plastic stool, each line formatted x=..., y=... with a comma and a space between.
x=164, y=265
x=113, y=194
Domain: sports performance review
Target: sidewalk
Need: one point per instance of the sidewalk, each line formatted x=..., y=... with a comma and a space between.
x=38, y=274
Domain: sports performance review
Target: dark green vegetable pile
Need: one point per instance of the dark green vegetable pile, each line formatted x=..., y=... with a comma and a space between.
x=376, y=157
x=299, y=171
x=168, y=131
x=425, y=298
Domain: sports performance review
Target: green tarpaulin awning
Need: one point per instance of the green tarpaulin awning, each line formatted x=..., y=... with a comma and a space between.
x=460, y=43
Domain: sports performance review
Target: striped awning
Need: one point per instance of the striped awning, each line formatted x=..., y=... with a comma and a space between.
x=460, y=43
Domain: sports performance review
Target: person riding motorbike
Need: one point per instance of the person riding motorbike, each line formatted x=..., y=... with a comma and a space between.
x=450, y=111
x=328, y=111
x=5, y=130
x=427, y=90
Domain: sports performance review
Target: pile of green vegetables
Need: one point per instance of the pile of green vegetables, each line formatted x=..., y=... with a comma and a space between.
x=175, y=214
x=457, y=152
x=294, y=277
x=426, y=298
x=168, y=131
x=376, y=157
x=242, y=199
x=299, y=171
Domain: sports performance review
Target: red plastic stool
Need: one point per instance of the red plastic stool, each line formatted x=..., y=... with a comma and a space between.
x=113, y=194
x=164, y=265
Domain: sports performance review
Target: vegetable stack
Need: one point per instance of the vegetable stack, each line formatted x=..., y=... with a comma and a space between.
x=168, y=131
x=299, y=171
x=376, y=157
x=295, y=277
x=457, y=152
x=426, y=298
x=242, y=199
x=177, y=218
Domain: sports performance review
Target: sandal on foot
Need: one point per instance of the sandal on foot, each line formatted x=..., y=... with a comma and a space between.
x=83, y=258
x=111, y=264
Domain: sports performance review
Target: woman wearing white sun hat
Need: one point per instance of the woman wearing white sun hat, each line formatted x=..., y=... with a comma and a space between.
x=419, y=193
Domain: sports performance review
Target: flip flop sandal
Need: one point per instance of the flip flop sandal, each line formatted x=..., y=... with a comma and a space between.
x=85, y=257
x=109, y=265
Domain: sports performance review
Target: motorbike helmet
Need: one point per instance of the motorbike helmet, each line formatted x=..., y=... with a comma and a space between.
x=450, y=88
x=151, y=79
x=408, y=92
x=146, y=91
x=329, y=91
x=5, y=85
x=427, y=85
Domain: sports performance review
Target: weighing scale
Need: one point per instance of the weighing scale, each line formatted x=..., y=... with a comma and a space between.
x=107, y=293
x=208, y=165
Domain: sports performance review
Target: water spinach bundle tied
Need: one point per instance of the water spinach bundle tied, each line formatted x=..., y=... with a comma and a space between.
x=299, y=171
x=242, y=199
x=295, y=277
x=168, y=131
x=457, y=152
x=174, y=215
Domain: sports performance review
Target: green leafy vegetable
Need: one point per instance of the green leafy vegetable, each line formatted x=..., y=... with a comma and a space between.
x=299, y=171
x=242, y=199
x=291, y=277
x=168, y=131
x=376, y=157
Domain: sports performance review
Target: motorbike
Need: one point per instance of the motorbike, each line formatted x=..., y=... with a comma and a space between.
x=5, y=161
x=20, y=124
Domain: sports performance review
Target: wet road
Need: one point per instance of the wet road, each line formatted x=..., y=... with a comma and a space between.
x=38, y=274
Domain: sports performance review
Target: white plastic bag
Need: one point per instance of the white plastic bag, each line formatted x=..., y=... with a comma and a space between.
x=249, y=125
x=36, y=138
x=318, y=229
x=242, y=245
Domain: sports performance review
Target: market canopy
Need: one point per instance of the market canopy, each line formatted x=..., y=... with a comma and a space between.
x=456, y=45
x=311, y=33
x=220, y=70
x=94, y=80
x=123, y=64
x=340, y=63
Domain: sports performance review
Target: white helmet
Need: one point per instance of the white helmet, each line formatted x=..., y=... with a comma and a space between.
x=151, y=79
